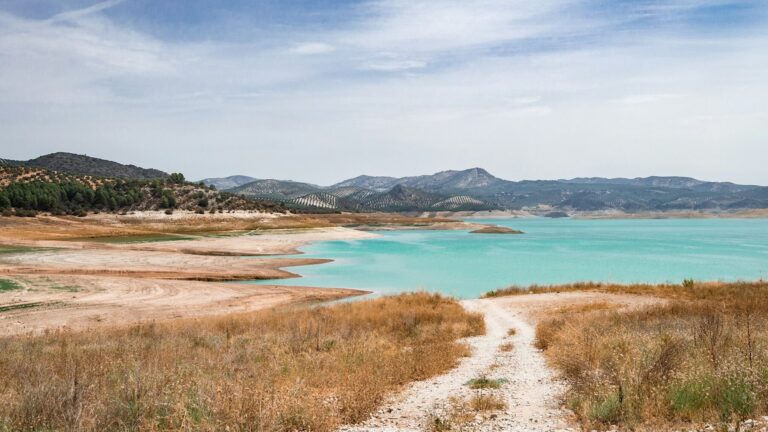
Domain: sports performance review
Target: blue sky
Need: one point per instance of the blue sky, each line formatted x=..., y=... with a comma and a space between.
x=323, y=90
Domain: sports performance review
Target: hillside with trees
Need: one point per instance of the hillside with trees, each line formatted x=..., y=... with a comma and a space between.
x=25, y=191
x=86, y=165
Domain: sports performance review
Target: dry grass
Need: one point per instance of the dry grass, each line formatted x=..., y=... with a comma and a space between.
x=512, y=331
x=461, y=414
x=700, y=359
x=302, y=369
x=487, y=402
x=507, y=347
x=688, y=290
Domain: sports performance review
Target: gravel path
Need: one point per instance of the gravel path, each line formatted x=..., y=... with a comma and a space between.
x=530, y=392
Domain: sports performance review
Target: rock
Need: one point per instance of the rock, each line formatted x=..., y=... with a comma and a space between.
x=496, y=230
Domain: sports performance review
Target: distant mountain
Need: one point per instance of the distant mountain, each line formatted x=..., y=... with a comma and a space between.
x=275, y=189
x=231, y=182
x=368, y=182
x=444, y=181
x=474, y=178
x=347, y=197
x=664, y=182
x=477, y=189
x=87, y=165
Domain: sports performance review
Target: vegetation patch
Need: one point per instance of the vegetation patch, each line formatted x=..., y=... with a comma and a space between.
x=16, y=249
x=8, y=285
x=25, y=191
x=286, y=369
x=487, y=402
x=688, y=362
x=13, y=307
x=486, y=383
x=67, y=288
x=686, y=290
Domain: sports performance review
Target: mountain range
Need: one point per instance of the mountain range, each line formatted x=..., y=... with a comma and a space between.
x=476, y=189
x=471, y=189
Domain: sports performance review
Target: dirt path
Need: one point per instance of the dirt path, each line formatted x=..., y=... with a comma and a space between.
x=530, y=392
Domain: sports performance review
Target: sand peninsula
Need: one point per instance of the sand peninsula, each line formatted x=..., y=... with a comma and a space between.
x=70, y=272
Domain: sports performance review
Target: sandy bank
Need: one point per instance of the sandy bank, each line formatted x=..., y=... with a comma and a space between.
x=64, y=283
x=81, y=302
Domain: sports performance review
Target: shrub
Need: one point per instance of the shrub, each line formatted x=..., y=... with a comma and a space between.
x=487, y=402
x=607, y=410
x=484, y=382
x=176, y=178
x=686, y=361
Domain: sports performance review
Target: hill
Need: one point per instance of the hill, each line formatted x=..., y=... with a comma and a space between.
x=398, y=198
x=24, y=191
x=87, y=165
x=280, y=190
x=444, y=181
x=230, y=182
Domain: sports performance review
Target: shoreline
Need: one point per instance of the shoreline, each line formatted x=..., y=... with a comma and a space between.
x=607, y=214
x=61, y=277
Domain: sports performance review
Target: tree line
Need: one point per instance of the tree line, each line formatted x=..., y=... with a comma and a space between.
x=72, y=197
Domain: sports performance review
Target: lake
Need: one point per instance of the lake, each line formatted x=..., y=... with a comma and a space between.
x=552, y=251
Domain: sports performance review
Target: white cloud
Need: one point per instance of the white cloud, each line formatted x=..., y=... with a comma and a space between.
x=394, y=65
x=312, y=48
x=483, y=74
x=82, y=13
x=648, y=98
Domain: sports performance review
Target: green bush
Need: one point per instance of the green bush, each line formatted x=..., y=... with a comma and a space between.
x=177, y=178
x=608, y=410
x=736, y=398
x=691, y=396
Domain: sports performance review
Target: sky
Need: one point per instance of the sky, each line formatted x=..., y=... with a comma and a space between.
x=323, y=90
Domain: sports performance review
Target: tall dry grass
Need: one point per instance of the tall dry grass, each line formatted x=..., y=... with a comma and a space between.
x=306, y=369
x=688, y=290
x=694, y=361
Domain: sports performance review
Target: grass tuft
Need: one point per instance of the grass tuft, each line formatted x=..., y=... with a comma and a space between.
x=487, y=402
x=484, y=382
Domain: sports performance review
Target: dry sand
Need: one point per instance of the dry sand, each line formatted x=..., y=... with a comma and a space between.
x=82, y=302
x=76, y=276
x=78, y=284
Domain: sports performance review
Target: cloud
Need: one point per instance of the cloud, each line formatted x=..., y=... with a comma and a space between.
x=546, y=89
x=394, y=65
x=648, y=98
x=312, y=48
x=84, y=12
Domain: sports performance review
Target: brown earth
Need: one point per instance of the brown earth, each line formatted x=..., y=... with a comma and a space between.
x=75, y=272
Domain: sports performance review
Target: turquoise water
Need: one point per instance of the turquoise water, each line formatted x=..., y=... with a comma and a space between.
x=552, y=251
